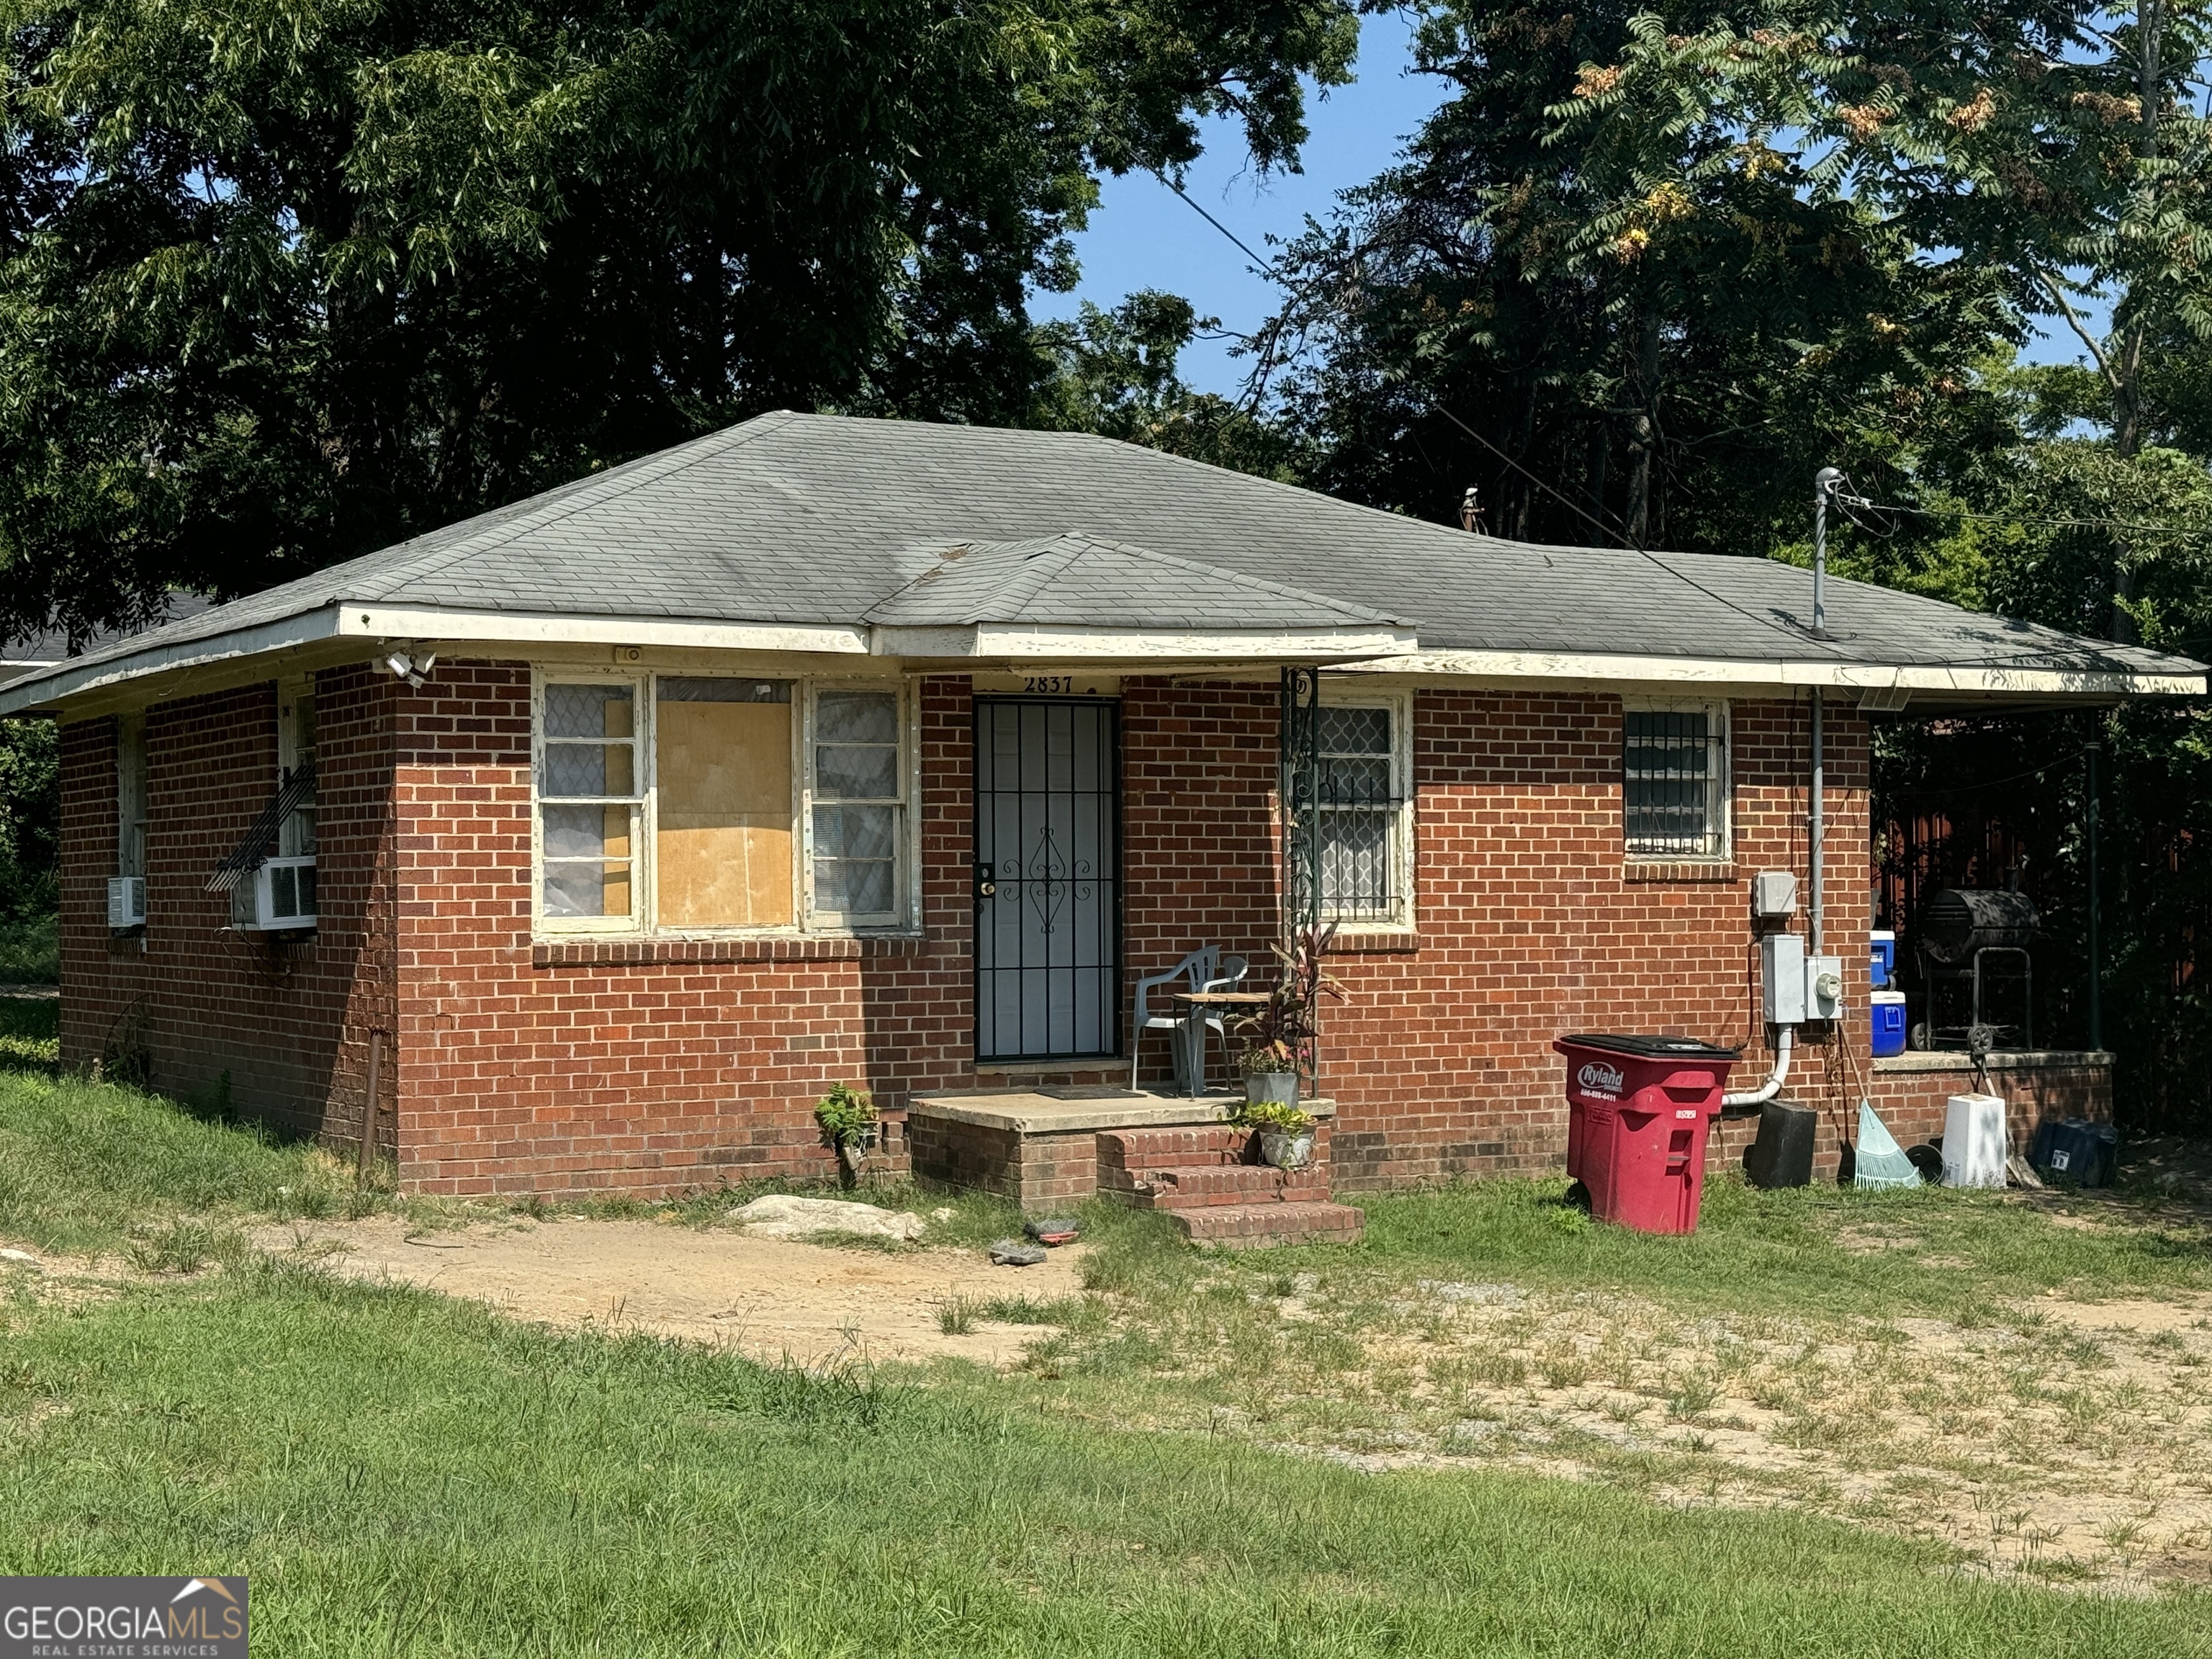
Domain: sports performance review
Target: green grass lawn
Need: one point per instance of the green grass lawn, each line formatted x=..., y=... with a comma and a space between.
x=31, y=952
x=401, y=1474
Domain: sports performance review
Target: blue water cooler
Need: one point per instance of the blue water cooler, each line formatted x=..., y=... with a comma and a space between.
x=1887, y=1008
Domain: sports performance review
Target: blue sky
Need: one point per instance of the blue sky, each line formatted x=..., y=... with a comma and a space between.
x=1144, y=236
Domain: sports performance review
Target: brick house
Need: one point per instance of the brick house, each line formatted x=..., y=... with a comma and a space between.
x=610, y=829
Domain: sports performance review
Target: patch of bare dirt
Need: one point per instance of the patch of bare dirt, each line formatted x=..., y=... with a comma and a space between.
x=2063, y=1441
x=769, y=1299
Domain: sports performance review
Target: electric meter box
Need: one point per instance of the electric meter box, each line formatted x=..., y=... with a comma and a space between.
x=1782, y=978
x=1824, y=987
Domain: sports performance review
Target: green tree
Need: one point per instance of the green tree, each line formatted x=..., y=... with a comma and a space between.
x=2054, y=142
x=1114, y=373
x=1652, y=315
x=281, y=283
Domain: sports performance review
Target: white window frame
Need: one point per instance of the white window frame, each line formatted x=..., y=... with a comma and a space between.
x=132, y=785
x=906, y=863
x=905, y=917
x=1402, y=833
x=1720, y=714
x=288, y=753
x=640, y=860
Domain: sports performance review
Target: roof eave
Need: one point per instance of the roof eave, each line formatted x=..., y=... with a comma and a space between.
x=371, y=621
x=1921, y=684
x=1031, y=642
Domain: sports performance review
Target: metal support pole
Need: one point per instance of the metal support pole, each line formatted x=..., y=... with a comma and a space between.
x=1824, y=485
x=2091, y=749
x=1816, y=827
x=1824, y=482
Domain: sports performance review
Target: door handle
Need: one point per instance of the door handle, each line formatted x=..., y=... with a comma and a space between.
x=986, y=883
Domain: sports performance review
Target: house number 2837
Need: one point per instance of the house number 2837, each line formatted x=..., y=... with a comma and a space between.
x=1061, y=684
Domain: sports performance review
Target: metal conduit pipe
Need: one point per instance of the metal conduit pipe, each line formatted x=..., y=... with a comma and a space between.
x=1775, y=1079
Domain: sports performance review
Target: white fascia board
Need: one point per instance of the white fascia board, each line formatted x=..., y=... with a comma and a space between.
x=1720, y=673
x=371, y=621
x=65, y=682
x=390, y=621
x=998, y=641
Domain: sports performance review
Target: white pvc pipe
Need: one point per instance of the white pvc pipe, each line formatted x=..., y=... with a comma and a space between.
x=1772, y=1086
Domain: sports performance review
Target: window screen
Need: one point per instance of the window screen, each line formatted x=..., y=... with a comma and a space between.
x=588, y=790
x=1674, y=773
x=1361, y=850
x=857, y=803
x=722, y=755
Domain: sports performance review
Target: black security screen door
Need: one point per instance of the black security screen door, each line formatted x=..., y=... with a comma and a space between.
x=1048, y=880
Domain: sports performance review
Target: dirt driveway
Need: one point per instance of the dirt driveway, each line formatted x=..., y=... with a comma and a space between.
x=769, y=1299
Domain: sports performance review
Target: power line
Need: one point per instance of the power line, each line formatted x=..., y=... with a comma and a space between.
x=1787, y=632
x=1224, y=230
x=2015, y=518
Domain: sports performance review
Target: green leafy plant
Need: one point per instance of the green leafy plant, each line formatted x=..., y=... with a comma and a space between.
x=846, y=1114
x=1279, y=1115
x=847, y=1117
x=1281, y=1034
x=1265, y=1059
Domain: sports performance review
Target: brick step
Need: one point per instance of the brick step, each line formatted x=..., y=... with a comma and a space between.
x=1223, y=1183
x=1130, y=1151
x=1255, y=1226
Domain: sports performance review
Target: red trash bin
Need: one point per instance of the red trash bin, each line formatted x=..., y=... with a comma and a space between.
x=1639, y=1111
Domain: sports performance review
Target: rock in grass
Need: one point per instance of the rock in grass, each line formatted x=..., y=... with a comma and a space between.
x=1055, y=1230
x=1015, y=1252
x=782, y=1215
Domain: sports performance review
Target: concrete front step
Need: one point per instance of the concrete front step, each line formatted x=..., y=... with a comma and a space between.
x=1255, y=1226
x=1220, y=1183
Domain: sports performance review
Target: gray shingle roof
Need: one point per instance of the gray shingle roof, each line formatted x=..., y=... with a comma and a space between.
x=1079, y=580
x=810, y=518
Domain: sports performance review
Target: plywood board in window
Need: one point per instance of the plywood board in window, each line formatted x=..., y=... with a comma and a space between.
x=724, y=852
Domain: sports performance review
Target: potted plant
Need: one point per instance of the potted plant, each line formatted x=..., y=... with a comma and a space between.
x=1286, y=1134
x=1279, y=1047
x=847, y=1117
x=1270, y=1071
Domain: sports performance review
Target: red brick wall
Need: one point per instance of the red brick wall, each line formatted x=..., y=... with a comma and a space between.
x=661, y=1064
x=289, y=1022
x=1532, y=923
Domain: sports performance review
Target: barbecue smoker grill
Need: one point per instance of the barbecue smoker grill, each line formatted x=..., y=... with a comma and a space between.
x=1972, y=941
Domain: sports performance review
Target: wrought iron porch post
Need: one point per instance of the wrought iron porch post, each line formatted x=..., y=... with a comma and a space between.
x=1300, y=796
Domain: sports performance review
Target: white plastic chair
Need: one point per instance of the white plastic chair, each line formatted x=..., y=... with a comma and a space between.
x=1205, y=969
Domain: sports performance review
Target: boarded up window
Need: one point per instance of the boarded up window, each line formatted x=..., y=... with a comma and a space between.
x=722, y=753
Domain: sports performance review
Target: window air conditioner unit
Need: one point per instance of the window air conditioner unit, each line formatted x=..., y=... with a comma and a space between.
x=126, y=901
x=279, y=895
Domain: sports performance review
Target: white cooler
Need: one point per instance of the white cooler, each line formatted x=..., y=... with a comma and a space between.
x=1974, y=1141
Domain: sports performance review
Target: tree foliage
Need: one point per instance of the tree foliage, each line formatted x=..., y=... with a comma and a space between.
x=284, y=280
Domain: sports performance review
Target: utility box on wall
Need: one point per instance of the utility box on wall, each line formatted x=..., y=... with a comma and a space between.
x=1824, y=987
x=1782, y=978
x=1773, y=895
